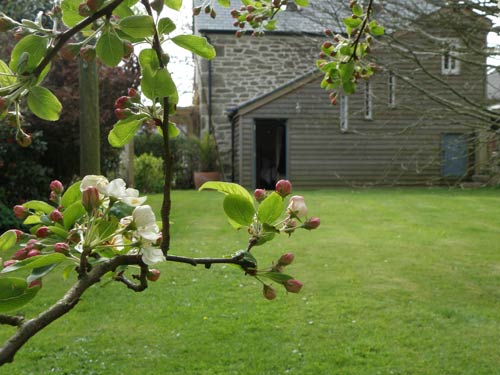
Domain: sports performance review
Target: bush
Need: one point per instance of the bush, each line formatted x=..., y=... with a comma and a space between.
x=148, y=171
x=183, y=151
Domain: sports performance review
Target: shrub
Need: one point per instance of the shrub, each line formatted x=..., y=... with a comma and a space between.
x=148, y=171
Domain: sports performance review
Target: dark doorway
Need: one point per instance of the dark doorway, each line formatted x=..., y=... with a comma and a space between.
x=455, y=155
x=270, y=152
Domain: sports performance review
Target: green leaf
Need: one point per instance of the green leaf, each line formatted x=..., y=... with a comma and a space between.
x=124, y=130
x=61, y=232
x=109, y=49
x=196, y=44
x=14, y=293
x=224, y=3
x=32, y=46
x=107, y=228
x=44, y=104
x=123, y=10
x=35, y=262
x=39, y=206
x=357, y=10
x=40, y=272
x=277, y=277
x=137, y=26
x=8, y=240
x=173, y=130
x=148, y=59
x=227, y=188
x=67, y=270
x=166, y=26
x=375, y=29
x=73, y=213
x=32, y=219
x=353, y=23
x=70, y=15
x=302, y=3
x=6, y=80
x=173, y=4
x=71, y=195
x=271, y=25
x=157, y=83
x=270, y=209
x=239, y=209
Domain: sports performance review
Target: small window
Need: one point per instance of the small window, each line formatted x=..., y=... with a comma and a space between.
x=392, y=90
x=368, y=100
x=344, y=112
x=450, y=65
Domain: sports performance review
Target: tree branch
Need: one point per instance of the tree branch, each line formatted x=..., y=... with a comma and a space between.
x=63, y=38
x=167, y=153
x=143, y=283
x=11, y=320
x=29, y=328
x=361, y=30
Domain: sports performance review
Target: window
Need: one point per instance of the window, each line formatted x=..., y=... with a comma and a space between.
x=450, y=65
x=344, y=109
x=368, y=100
x=392, y=90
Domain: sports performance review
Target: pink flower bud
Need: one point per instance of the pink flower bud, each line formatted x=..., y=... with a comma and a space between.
x=132, y=93
x=56, y=216
x=312, y=223
x=8, y=263
x=260, y=195
x=20, y=254
x=20, y=212
x=42, y=232
x=153, y=274
x=90, y=198
x=122, y=102
x=297, y=206
x=283, y=187
x=53, y=197
x=286, y=259
x=269, y=292
x=56, y=186
x=35, y=283
x=19, y=234
x=122, y=114
x=61, y=247
x=293, y=286
x=33, y=253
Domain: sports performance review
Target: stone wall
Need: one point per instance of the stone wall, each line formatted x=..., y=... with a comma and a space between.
x=246, y=68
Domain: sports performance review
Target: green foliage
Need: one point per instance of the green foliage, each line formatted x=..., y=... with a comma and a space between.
x=109, y=48
x=238, y=209
x=148, y=172
x=14, y=293
x=123, y=131
x=196, y=44
x=44, y=104
x=207, y=153
x=270, y=209
x=137, y=26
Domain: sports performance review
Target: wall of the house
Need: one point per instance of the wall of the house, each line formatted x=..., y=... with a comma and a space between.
x=245, y=68
x=399, y=146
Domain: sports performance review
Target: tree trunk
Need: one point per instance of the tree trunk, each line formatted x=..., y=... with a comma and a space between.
x=90, y=145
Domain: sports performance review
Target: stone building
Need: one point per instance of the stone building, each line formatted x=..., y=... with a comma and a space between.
x=261, y=98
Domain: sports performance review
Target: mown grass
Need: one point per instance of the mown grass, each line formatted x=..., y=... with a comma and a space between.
x=397, y=282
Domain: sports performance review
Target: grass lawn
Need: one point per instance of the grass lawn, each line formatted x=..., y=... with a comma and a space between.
x=396, y=282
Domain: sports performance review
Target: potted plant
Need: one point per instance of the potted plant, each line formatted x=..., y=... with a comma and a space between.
x=207, y=158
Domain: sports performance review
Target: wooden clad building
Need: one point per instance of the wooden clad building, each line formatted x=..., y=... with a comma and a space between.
x=391, y=132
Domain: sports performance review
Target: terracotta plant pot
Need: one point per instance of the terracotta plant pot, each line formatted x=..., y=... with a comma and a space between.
x=201, y=177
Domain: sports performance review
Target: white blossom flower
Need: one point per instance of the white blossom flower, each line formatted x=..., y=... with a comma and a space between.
x=116, y=188
x=152, y=255
x=297, y=206
x=132, y=198
x=145, y=222
x=99, y=182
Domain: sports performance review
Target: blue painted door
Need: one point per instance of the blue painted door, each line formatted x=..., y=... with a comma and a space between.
x=455, y=155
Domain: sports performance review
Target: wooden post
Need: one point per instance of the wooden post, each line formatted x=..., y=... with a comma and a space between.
x=90, y=138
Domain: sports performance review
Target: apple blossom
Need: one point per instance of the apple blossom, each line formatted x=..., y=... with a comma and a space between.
x=20, y=212
x=286, y=259
x=90, y=198
x=312, y=223
x=153, y=274
x=152, y=255
x=145, y=222
x=9, y=262
x=61, y=247
x=56, y=216
x=99, y=182
x=293, y=286
x=297, y=206
x=56, y=186
x=269, y=292
x=42, y=232
x=259, y=194
x=283, y=187
x=33, y=253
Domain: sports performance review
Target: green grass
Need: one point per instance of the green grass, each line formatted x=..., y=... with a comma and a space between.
x=396, y=282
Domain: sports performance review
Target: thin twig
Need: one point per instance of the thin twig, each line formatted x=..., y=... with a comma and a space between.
x=11, y=320
x=361, y=30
